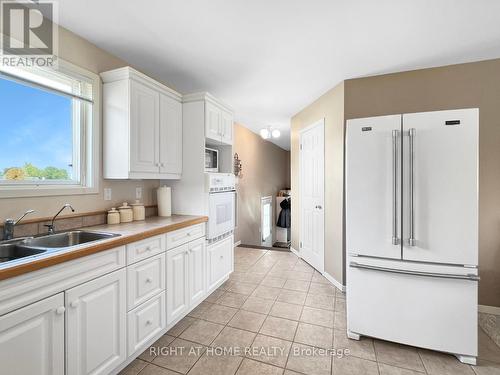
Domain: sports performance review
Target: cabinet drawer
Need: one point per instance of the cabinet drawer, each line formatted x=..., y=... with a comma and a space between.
x=145, y=322
x=184, y=235
x=144, y=249
x=145, y=279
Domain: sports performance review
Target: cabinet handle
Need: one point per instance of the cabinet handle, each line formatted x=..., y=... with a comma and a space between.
x=60, y=310
x=148, y=248
x=149, y=280
x=188, y=234
x=162, y=164
x=222, y=256
x=74, y=304
x=149, y=322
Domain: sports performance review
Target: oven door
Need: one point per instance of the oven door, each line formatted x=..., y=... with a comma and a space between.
x=221, y=216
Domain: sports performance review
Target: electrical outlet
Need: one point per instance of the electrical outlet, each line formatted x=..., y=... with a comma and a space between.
x=138, y=193
x=107, y=194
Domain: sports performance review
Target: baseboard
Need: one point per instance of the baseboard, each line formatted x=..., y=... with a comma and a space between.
x=335, y=283
x=294, y=251
x=489, y=309
x=238, y=243
x=329, y=277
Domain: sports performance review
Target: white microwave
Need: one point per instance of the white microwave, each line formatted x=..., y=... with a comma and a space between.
x=211, y=160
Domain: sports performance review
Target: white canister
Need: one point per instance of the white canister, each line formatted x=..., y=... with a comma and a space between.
x=164, y=198
x=126, y=215
x=138, y=211
x=113, y=216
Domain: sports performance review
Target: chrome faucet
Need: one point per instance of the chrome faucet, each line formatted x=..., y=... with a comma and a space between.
x=8, y=226
x=51, y=227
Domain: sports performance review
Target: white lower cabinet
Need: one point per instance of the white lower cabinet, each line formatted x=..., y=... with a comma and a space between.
x=197, y=273
x=177, y=282
x=219, y=262
x=186, y=278
x=96, y=314
x=145, y=279
x=145, y=322
x=32, y=339
x=98, y=325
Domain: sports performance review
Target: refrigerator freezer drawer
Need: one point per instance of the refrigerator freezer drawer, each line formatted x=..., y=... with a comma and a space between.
x=424, y=309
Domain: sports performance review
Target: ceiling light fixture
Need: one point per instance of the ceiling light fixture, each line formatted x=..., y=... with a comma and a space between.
x=267, y=133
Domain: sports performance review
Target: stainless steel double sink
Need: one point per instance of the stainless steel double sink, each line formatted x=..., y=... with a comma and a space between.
x=23, y=247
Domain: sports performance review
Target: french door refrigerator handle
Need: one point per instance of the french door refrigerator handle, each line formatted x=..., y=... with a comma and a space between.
x=395, y=136
x=411, y=239
x=415, y=273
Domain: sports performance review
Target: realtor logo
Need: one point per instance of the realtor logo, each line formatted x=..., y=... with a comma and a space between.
x=29, y=32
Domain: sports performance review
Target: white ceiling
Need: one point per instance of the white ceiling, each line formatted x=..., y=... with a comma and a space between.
x=268, y=59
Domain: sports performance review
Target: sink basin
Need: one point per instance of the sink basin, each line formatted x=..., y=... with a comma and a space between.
x=11, y=251
x=66, y=239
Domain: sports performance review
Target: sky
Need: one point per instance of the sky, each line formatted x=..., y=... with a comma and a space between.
x=35, y=127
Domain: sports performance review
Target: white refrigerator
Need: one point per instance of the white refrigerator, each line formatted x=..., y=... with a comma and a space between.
x=412, y=229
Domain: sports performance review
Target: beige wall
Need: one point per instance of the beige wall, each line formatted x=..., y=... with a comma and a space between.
x=457, y=86
x=265, y=171
x=80, y=52
x=330, y=106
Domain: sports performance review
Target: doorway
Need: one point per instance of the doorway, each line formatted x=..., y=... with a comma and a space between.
x=312, y=194
x=266, y=221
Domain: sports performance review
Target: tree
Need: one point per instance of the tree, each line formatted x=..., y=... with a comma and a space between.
x=32, y=171
x=14, y=173
x=53, y=173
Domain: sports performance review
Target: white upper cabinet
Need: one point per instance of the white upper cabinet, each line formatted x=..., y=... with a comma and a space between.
x=218, y=118
x=170, y=135
x=227, y=127
x=144, y=115
x=142, y=130
x=212, y=122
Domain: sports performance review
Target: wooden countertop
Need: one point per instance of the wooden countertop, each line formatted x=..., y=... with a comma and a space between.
x=129, y=232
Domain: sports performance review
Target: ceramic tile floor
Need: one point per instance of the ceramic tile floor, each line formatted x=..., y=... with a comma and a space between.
x=277, y=305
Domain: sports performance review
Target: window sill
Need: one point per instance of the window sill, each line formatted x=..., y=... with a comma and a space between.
x=45, y=190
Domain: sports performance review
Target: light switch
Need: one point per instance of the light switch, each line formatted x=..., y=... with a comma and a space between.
x=138, y=193
x=107, y=194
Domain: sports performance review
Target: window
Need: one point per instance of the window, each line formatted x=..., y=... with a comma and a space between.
x=49, y=131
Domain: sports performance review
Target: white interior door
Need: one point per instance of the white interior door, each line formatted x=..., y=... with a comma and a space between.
x=312, y=194
x=445, y=186
x=266, y=224
x=373, y=186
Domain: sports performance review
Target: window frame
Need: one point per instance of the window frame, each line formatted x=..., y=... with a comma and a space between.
x=89, y=146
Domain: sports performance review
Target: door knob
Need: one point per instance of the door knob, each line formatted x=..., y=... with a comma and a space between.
x=74, y=303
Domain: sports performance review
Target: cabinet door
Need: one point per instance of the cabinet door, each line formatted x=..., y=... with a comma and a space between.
x=144, y=128
x=177, y=282
x=219, y=258
x=197, y=273
x=212, y=122
x=96, y=316
x=32, y=339
x=227, y=127
x=170, y=135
